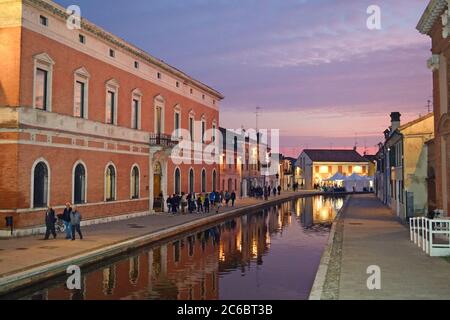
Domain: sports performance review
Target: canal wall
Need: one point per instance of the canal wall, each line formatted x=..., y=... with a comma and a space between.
x=33, y=276
x=326, y=285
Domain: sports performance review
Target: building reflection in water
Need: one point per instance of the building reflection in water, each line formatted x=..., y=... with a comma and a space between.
x=191, y=267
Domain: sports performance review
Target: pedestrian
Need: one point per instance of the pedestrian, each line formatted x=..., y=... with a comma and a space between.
x=50, y=220
x=227, y=198
x=169, y=204
x=66, y=220
x=199, y=204
x=75, y=221
x=233, y=198
x=175, y=204
x=212, y=199
x=206, y=204
x=184, y=202
x=274, y=191
x=191, y=204
x=279, y=190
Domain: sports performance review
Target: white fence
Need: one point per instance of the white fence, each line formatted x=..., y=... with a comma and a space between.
x=433, y=236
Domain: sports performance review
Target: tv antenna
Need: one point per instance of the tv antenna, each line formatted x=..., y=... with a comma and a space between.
x=258, y=114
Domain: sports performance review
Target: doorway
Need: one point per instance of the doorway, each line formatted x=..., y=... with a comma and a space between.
x=157, y=189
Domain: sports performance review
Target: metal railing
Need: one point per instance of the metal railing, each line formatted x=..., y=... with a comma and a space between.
x=162, y=140
x=432, y=235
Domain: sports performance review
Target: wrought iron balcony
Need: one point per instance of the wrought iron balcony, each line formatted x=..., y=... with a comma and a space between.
x=162, y=140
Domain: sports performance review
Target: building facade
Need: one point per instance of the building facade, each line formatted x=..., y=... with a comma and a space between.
x=286, y=173
x=316, y=166
x=88, y=118
x=405, y=158
x=435, y=23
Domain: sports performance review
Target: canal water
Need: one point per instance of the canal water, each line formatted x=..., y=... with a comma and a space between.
x=269, y=254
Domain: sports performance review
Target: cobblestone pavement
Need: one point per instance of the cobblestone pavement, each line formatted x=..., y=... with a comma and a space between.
x=20, y=254
x=371, y=235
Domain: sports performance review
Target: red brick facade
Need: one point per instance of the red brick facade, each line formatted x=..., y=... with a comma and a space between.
x=439, y=166
x=61, y=140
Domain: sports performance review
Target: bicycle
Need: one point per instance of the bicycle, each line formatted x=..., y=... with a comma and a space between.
x=60, y=227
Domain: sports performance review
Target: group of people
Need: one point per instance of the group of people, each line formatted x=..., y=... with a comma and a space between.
x=264, y=192
x=200, y=203
x=71, y=218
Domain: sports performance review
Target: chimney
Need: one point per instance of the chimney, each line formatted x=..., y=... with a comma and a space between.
x=395, y=121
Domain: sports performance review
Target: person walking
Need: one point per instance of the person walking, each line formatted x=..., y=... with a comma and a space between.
x=274, y=191
x=279, y=190
x=206, y=204
x=200, y=204
x=175, y=204
x=50, y=220
x=227, y=198
x=212, y=199
x=75, y=221
x=233, y=198
x=184, y=203
x=169, y=204
x=66, y=220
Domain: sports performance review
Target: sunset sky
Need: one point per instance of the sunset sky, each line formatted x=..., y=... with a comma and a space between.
x=313, y=66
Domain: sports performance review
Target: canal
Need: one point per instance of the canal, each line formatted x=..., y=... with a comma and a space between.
x=269, y=254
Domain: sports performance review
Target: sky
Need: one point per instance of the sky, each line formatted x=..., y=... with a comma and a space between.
x=312, y=66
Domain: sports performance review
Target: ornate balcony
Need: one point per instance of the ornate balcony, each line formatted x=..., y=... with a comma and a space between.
x=162, y=140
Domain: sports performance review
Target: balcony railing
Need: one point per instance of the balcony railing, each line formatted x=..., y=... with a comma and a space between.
x=162, y=140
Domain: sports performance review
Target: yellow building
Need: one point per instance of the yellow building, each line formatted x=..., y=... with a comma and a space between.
x=316, y=166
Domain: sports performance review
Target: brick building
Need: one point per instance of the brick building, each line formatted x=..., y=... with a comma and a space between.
x=87, y=118
x=435, y=22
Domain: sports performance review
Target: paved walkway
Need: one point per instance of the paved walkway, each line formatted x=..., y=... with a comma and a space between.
x=20, y=254
x=373, y=236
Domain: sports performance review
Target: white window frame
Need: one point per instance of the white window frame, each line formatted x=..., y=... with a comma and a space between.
x=203, y=186
x=159, y=102
x=131, y=182
x=177, y=111
x=45, y=62
x=116, y=174
x=191, y=181
x=136, y=95
x=32, y=182
x=192, y=128
x=85, y=181
x=202, y=132
x=82, y=75
x=214, y=127
x=212, y=180
x=113, y=86
x=174, y=180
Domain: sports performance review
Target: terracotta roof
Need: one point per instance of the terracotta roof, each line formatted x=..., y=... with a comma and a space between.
x=334, y=155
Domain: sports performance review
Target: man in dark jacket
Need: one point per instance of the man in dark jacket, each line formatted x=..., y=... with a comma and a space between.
x=66, y=219
x=233, y=198
x=50, y=220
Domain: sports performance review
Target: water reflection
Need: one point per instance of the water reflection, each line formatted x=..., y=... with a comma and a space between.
x=272, y=254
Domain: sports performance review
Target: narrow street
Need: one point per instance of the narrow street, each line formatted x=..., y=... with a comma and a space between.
x=372, y=236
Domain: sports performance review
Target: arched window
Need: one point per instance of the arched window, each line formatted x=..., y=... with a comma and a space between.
x=110, y=183
x=214, y=181
x=135, y=183
x=203, y=180
x=40, y=186
x=79, y=184
x=177, y=181
x=191, y=181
